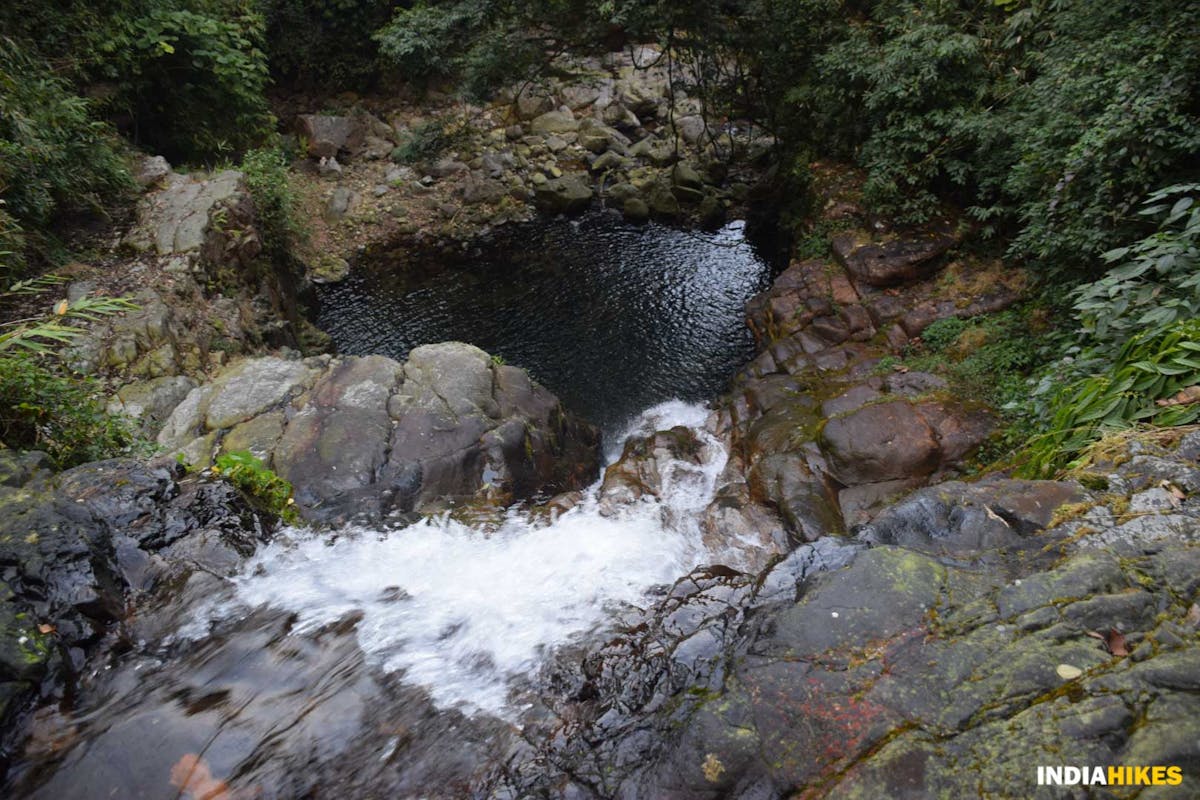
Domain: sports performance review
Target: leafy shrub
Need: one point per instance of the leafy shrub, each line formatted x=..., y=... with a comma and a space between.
x=43, y=408
x=266, y=172
x=942, y=333
x=1156, y=282
x=247, y=472
x=426, y=142
x=55, y=158
x=194, y=81
x=1141, y=385
x=325, y=44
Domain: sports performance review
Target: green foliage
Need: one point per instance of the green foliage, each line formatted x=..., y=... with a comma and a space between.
x=266, y=172
x=43, y=408
x=325, y=44
x=942, y=333
x=54, y=157
x=487, y=42
x=1150, y=367
x=426, y=142
x=1155, y=283
x=182, y=77
x=984, y=358
x=247, y=472
x=193, y=80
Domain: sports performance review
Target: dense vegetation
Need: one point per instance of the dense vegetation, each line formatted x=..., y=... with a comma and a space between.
x=1049, y=122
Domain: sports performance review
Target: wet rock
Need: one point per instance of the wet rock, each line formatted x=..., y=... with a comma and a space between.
x=565, y=195
x=366, y=436
x=151, y=402
x=881, y=442
x=958, y=517
x=891, y=260
x=636, y=210
x=75, y=545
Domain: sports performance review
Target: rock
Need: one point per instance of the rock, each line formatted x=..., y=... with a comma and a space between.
x=684, y=175
x=327, y=136
x=655, y=151
x=880, y=442
x=448, y=168
x=894, y=259
x=150, y=171
x=635, y=210
x=151, y=402
x=609, y=161
x=533, y=101
x=565, y=195
x=554, y=122
x=621, y=118
x=376, y=149
x=476, y=190
x=251, y=387
x=175, y=220
x=328, y=167
x=341, y=202
x=711, y=212
x=662, y=202
x=369, y=436
x=953, y=518
x=75, y=545
x=692, y=128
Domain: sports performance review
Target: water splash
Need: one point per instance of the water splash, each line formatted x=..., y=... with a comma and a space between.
x=462, y=611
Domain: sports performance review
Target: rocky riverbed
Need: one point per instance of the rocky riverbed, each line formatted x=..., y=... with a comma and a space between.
x=804, y=589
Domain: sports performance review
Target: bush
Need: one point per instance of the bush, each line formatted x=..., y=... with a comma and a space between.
x=43, y=408
x=1143, y=385
x=326, y=44
x=193, y=81
x=55, y=158
x=182, y=77
x=266, y=172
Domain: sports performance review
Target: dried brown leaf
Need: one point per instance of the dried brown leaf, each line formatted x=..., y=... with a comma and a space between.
x=1115, y=642
x=1193, y=616
x=45, y=628
x=1184, y=397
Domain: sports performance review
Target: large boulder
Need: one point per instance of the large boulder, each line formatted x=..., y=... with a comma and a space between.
x=328, y=136
x=893, y=259
x=880, y=442
x=75, y=546
x=370, y=436
x=566, y=195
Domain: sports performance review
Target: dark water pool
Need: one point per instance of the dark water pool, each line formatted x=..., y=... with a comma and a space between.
x=610, y=317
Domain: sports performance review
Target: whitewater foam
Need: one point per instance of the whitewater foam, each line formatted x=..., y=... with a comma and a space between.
x=463, y=611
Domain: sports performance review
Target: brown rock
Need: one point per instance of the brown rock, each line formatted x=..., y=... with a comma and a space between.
x=882, y=442
x=893, y=260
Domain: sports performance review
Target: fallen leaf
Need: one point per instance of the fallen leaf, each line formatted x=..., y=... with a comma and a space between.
x=1096, y=635
x=45, y=628
x=1183, y=398
x=1068, y=672
x=192, y=775
x=1178, y=494
x=1193, y=616
x=1115, y=643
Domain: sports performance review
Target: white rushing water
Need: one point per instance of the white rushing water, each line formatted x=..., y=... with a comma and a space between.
x=462, y=611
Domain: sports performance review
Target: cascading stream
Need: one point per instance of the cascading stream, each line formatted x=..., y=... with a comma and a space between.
x=462, y=611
